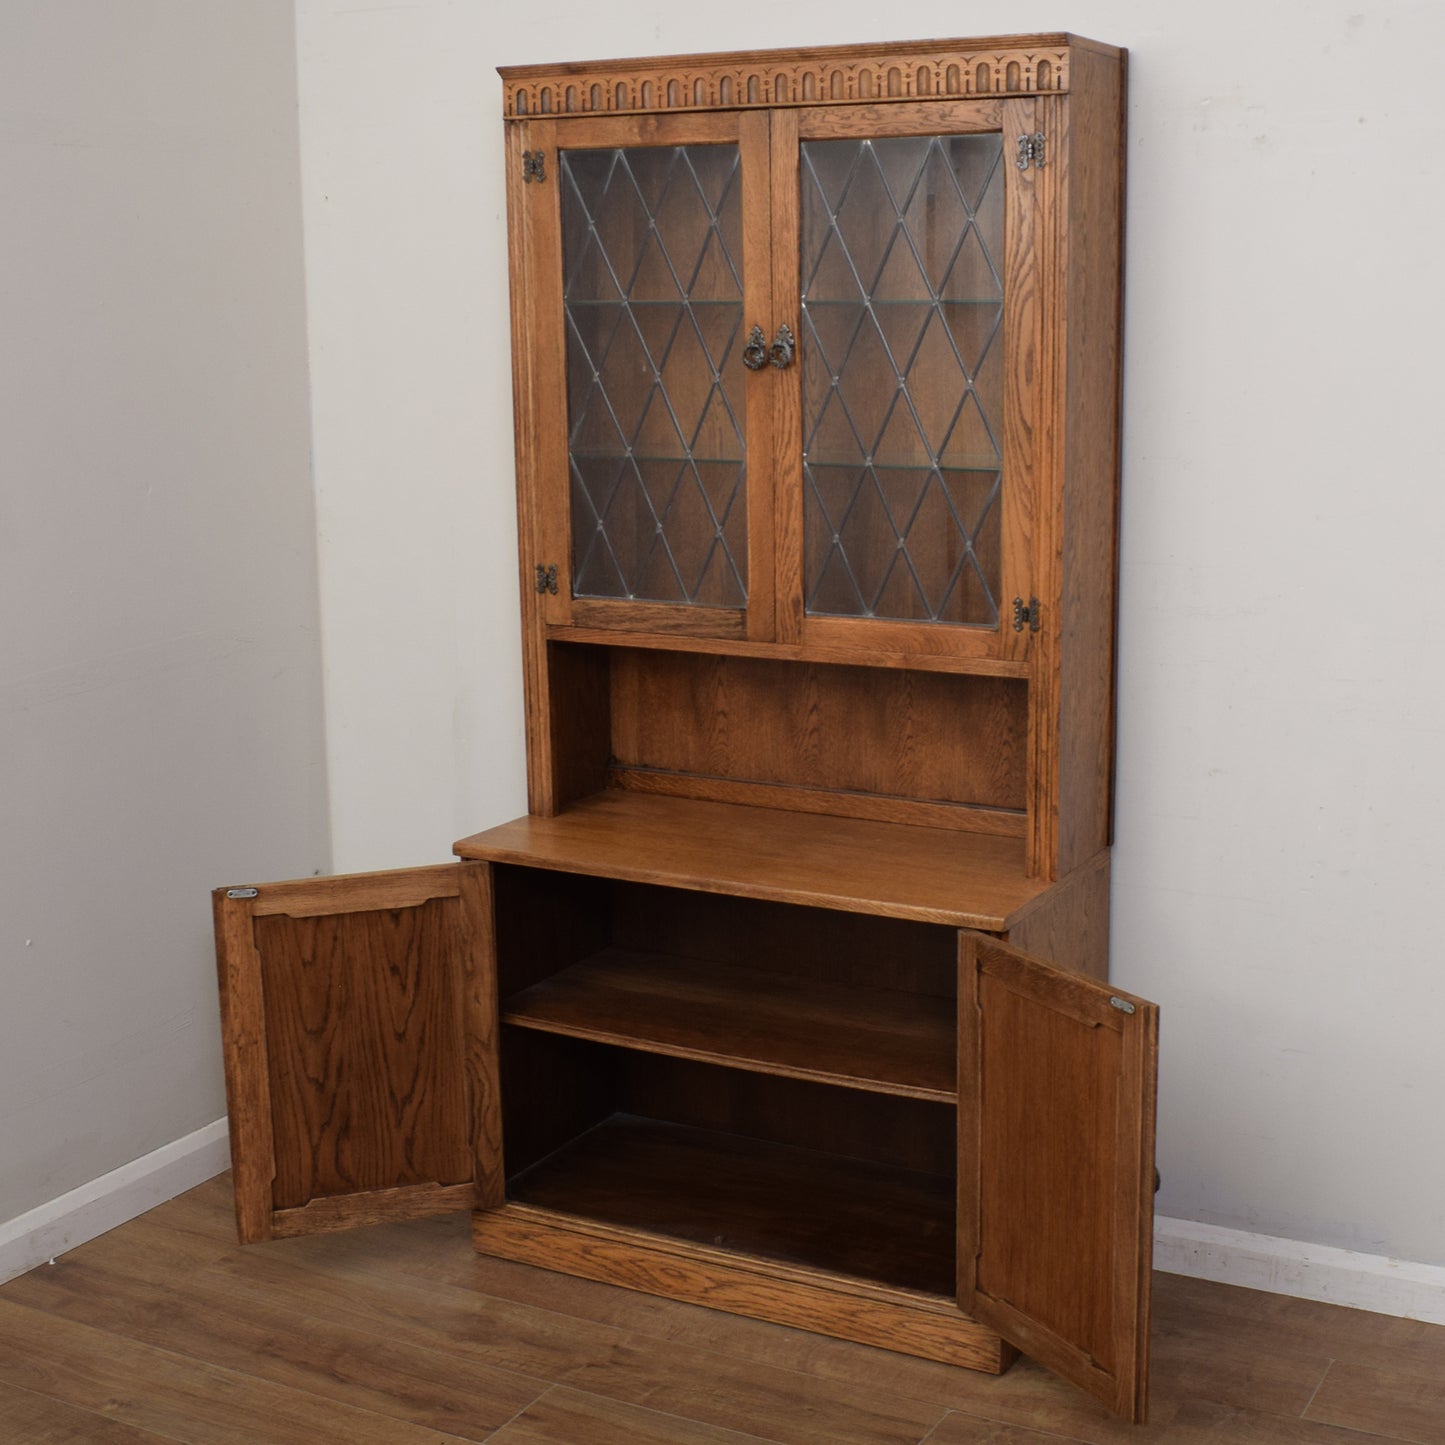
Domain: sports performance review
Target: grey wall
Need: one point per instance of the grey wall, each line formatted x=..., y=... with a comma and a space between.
x=160, y=706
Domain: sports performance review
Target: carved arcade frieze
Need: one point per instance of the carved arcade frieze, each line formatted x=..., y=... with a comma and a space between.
x=839, y=76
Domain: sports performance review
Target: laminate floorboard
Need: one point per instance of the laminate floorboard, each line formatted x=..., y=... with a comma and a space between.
x=165, y=1329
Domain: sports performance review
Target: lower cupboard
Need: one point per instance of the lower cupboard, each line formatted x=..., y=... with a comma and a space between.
x=875, y=1121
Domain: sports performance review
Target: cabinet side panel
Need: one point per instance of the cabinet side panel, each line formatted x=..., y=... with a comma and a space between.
x=579, y=720
x=555, y=1089
x=1091, y=459
x=545, y=922
x=1069, y=925
x=365, y=1044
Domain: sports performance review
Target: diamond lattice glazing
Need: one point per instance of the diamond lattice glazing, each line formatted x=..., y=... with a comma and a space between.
x=903, y=377
x=651, y=240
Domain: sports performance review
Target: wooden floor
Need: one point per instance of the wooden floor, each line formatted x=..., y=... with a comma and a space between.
x=165, y=1330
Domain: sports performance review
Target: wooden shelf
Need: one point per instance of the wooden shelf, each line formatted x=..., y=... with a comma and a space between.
x=696, y=640
x=861, y=1038
x=896, y=870
x=798, y=1206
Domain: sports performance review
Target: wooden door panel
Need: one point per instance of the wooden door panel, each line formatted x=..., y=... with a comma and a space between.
x=358, y=1016
x=1056, y=1162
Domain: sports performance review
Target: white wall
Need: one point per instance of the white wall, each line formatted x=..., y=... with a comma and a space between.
x=160, y=719
x=412, y=422
x=1281, y=688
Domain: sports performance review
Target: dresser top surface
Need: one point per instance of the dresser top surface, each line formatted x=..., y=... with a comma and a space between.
x=935, y=875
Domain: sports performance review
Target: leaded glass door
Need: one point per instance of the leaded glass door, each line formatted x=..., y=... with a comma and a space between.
x=648, y=265
x=918, y=309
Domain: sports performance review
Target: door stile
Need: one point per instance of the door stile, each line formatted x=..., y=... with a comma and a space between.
x=1026, y=438
x=765, y=389
x=533, y=243
x=786, y=438
x=478, y=1009
x=1044, y=555
x=243, y=1042
x=539, y=363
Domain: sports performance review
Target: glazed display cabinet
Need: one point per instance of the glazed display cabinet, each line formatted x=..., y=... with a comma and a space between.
x=789, y=996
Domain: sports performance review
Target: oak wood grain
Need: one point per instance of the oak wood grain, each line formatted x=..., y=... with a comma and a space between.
x=355, y=1095
x=244, y=1054
x=371, y=1206
x=1087, y=518
x=366, y=1051
x=932, y=737
x=1056, y=1145
x=749, y=1197
x=764, y=213
x=533, y=256
x=840, y=75
x=894, y=870
x=1069, y=925
x=785, y=441
x=816, y=944
x=892, y=1130
x=884, y=1041
x=475, y=984
x=810, y=1300
x=794, y=798
x=861, y=647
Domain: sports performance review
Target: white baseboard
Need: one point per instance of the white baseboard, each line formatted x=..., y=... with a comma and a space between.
x=51, y=1229
x=1307, y=1271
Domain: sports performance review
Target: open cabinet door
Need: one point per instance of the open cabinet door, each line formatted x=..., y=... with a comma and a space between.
x=359, y=1020
x=1056, y=1085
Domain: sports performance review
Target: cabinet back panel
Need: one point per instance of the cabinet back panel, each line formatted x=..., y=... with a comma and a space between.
x=782, y=938
x=924, y=736
x=905, y=1133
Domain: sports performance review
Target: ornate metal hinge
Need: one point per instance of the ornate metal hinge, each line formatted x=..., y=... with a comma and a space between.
x=1031, y=148
x=547, y=578
x=534, y=165
x=1032, y=614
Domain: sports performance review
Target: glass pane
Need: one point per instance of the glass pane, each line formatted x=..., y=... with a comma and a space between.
x=903, y=377
x=652, y=260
